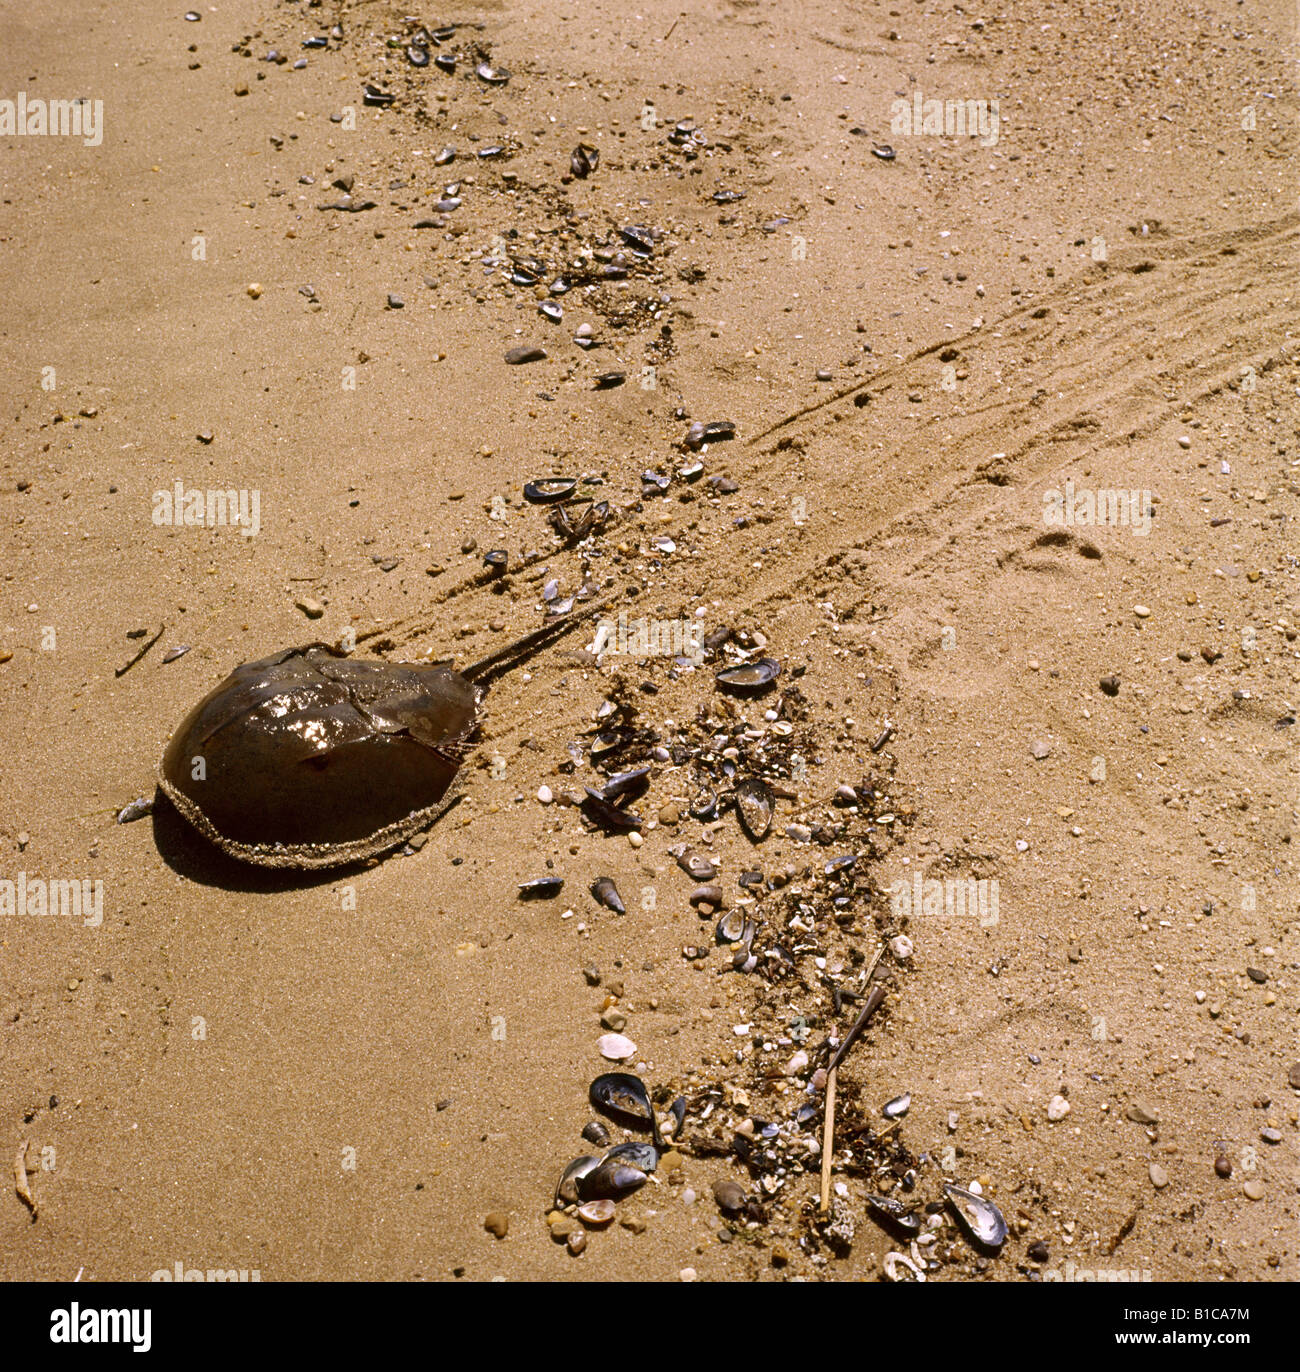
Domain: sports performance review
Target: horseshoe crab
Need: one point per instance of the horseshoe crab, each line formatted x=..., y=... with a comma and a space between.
x=306, y=759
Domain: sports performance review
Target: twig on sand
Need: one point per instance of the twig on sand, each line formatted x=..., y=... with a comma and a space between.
x=828, y=1125
x=126, y=666
x=20, y=1179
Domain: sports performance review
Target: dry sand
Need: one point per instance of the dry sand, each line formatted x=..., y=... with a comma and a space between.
x=340, y=1077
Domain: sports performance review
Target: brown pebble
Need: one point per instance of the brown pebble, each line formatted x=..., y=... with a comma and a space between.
x=576, y=1242
x=497, y=1224
x=1223, y=1166
x=730, y=1197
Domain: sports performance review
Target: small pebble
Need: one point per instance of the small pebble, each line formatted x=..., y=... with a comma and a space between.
x=1159, y=1177
x=254, y=289
x=1057, y=1108
x=545, y=795
x=313, y=609
x=497, y=1224
x=1253, y=1189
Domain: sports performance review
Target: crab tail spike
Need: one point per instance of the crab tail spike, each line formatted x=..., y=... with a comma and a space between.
x=488, y=668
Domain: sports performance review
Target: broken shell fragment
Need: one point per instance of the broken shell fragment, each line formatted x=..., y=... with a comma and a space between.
x=898, y=1107
x=696, y=865
x=540, y=888
x=606, y=893
x=615, y=1047
x=597, y=1213
x=754, y=808
x=749, y=677
x=980, y=1218
x=707, y=898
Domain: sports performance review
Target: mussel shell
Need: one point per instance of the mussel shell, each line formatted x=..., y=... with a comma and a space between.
x=623, y=1097
x=754, y=807
x=612, y=1179
x=979, y=1217
x=704, y=806
x=893, y=1214
x=584, y=160
x=749, y=676
x=643, y=1156
x=634, y=783
x=566, y=1191
x=608, y=742
x=735, y=927
x=606, y=893
x=310, y=760
x=550, y=489
x=490, y=75
x=608, y=816
x=540, y=888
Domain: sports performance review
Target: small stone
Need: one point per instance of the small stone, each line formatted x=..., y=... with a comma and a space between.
x=1142, y=1114
x=1293, y=1076
x=901, y=946
x=1037, y=1251
x=545, y=795
x=395, y=302
x=1253, y=1189
x=1223, y=1166
x=688, y=1274
x=730, y=1196
x=1257, y=975
x=613, y=1019
x=516, y=356
x=1057, y=1108
x=1110, y=684
x=1142, y=611
x=206, y=436
x=615, y=1047
x=497, y=1223
x=1271, y=1135
x=1159, y=1177
x=576, y=1243
x=1040, y=749
x=1184, y=441
x=254, y=289
x=313, y=609
x=670, y=814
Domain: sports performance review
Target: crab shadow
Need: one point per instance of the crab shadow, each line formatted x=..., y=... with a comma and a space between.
x=191, y=856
